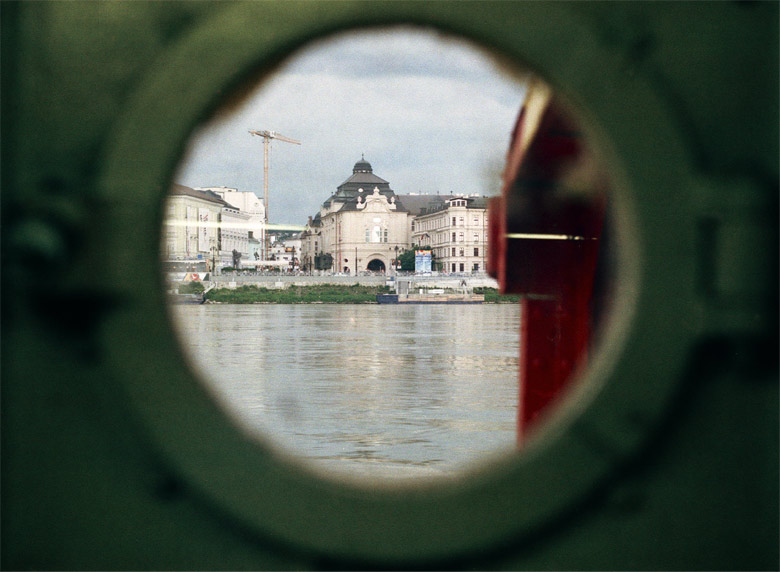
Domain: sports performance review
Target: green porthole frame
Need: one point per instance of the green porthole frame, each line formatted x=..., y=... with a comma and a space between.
x=624, y=394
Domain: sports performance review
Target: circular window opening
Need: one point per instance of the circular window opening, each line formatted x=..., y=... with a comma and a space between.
x=340, y=277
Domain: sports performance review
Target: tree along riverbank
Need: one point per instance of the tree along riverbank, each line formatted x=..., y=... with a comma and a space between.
x=319, y=294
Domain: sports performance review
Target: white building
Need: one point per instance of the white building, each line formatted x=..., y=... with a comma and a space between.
x=286, y=252
x=456, y=233
x=255, y=249
x=192, y=225
x=234, y=235
x=253, y=208
x=202, y=226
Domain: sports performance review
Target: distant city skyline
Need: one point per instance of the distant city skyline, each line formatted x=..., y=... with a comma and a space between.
x=430, y=114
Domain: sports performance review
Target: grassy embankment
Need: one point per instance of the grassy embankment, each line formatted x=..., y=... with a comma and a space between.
x=320, y=293
x=190, y=288
x=493, y=297
x=316, y=293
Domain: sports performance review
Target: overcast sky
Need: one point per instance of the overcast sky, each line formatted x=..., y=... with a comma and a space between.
x=431, y=115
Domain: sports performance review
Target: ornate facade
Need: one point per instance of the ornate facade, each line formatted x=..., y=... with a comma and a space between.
x=365, y=225
x=456, y=233
x=361, y=227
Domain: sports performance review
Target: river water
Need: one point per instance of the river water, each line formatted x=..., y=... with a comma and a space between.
x=364, y=390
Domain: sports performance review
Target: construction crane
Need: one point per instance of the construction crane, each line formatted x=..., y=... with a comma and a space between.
x=267, y=136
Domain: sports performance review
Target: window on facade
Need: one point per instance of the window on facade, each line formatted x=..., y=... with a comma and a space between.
x=476, y=251
x=460, y=221
x=385, y=235
x=461, y=252
x=453, y=237
x=462, y=267
x=453, y=251
x=368, y=235
x=476, y=237
x=453, y=267
x=376, y=234
x=460, y=237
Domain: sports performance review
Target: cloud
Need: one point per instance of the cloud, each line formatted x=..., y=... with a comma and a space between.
x=428, y=114
x=395, y=51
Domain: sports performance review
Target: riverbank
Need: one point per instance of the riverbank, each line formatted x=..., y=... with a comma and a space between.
x=437, y=280
x=312, y=294
x=319, y=294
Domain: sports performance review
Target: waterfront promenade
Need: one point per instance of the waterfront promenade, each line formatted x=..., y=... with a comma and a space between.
x=454, y=281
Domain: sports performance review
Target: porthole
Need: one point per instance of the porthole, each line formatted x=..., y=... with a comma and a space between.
x=625, y=390
x=347, y=340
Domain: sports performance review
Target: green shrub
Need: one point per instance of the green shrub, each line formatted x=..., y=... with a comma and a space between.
x=191, y=288
x=324, y=293
x=492, y=296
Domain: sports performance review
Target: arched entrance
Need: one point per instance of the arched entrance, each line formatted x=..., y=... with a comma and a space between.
x=376, y=265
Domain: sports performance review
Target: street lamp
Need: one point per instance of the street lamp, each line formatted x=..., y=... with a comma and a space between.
x=213, y=260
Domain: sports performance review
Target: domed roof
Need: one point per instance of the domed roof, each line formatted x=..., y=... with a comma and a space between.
x=360, y=185
x=362, y=166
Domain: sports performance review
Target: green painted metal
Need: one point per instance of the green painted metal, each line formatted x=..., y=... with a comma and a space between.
x=114, y=457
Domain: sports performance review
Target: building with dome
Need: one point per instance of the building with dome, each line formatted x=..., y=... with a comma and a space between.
x=365, y=225
x=361, y=227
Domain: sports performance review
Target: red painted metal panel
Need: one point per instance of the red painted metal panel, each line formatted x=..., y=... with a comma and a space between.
x=545, y=241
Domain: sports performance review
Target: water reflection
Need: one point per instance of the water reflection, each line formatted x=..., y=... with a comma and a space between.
x=366, y=389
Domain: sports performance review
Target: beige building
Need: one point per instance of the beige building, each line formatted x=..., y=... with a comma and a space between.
x=364, y=225
x=456, y=232
x=361, y=227
x=311, y=246
x=200, y=225
x=192, y=224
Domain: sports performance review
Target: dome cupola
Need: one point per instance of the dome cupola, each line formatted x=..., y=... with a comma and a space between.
x=362, y=166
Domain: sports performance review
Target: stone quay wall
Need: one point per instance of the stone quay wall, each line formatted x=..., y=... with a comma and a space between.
x=285, y=281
